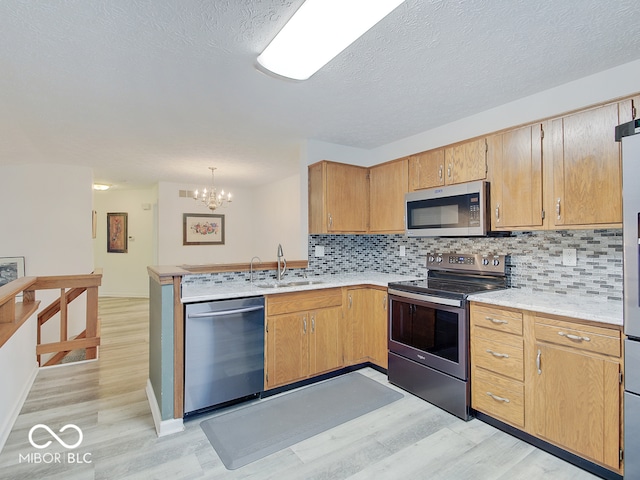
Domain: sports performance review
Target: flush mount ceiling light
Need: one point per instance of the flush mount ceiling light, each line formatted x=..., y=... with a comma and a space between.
x=319, y=31
x=212, y=198
x=101, y=186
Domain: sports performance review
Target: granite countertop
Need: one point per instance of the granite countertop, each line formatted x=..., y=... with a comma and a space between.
x=574, y=306
x=219, y=291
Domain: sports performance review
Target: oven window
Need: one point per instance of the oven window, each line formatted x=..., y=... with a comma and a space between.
x=427, y=329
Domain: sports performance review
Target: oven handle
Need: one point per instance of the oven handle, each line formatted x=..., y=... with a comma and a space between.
x=425, y=298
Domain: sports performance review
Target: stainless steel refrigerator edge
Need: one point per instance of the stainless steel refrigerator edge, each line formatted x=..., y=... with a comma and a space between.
x=631, y=270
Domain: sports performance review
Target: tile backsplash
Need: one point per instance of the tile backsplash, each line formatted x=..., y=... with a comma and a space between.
x=535, y=259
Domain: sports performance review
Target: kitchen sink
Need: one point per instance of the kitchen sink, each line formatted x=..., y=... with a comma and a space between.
x=296, y=283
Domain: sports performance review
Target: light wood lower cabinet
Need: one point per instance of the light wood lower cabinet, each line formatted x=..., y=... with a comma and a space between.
x=302, y=335
x=556, y=378
x=577, y=389
x=366, y=330
x=497, y=363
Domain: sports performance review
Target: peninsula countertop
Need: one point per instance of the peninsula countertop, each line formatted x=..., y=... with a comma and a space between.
x=200, y=292
x=574, y=306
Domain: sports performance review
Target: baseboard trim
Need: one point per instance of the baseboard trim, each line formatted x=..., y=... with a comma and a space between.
x=163, y=427
x=13, y=414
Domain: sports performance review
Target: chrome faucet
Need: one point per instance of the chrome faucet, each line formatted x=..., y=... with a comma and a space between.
x=251, y=268
x=281, y=261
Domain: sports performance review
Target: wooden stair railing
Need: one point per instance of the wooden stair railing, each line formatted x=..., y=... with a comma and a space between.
x=71, y=287
x=14, y=313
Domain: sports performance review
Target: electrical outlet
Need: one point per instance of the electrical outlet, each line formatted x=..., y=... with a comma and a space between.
x=403, y=251
x=319, y=251
x=569, y=257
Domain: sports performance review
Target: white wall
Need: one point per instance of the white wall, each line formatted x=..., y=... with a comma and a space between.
x=125, y=274
x=238, y=218
x=276, y=220
x=613, y=83
x=46, y=217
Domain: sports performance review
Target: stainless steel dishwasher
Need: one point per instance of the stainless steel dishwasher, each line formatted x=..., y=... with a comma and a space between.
x=224, y=352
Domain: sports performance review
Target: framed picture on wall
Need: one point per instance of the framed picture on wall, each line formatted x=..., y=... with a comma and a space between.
x=117, y=232
x=11, y=268
x=202, y=229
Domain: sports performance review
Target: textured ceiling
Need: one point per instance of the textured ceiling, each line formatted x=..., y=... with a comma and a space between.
x=158, y=90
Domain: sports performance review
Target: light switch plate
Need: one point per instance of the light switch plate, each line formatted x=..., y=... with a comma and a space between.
x=319, y=251
x=569, y=257
x=403, y=251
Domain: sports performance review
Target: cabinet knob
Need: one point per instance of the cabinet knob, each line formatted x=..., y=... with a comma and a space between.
x=498, y=213
x=558, y=209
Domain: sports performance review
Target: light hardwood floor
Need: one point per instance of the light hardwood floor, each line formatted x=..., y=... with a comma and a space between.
x=106, y=399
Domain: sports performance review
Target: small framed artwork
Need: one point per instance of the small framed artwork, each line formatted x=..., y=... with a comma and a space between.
x=117, y=232
x=202, y=229
x=11, y=268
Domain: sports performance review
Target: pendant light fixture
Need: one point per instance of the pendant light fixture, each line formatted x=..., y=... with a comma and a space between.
x=211, y=198
x=319, y=31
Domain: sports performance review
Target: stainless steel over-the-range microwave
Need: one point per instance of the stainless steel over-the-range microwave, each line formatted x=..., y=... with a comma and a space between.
x=448, y=211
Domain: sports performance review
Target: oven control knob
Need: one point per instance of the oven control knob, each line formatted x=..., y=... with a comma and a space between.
x=431, y=259
x=485, y=261
x=439, y=259
x=496, y=262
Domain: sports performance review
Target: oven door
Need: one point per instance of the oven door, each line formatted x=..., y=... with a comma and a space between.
x=429, y=333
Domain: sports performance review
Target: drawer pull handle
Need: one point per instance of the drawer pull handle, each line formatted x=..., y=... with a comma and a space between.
x=499, y=399
x=570, y=336
x=496, y=320
x=496, y=354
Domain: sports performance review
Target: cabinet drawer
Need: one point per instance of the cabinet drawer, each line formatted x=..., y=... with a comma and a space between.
x=280, y=303
x=584, y=337
x=498, y=357
x=497, y=319
x=499, y=397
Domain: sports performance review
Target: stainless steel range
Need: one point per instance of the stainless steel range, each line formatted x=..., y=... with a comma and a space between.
x=429, y=327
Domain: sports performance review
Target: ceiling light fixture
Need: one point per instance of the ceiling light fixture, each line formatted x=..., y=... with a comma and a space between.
x=101, y=186
x=319, y=31
x=212, y=198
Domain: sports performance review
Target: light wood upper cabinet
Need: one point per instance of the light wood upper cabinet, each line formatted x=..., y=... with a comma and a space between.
x=586, y=163
x=426, y=169
x=466, y=162
x=388, y=184
x=515, y=166
x=338, y=198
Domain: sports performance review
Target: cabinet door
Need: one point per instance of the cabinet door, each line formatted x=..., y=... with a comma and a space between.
x=466, y=162
x=358, y=309
x=387, y=185
x=287, y=349
x=325, y=347
x=587, y=177
x=377, y=329
x=516, y=178
x=347, y=198
x=426, y=169
x=577, y=403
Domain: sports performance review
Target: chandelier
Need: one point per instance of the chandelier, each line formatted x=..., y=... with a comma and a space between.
x=211, y=198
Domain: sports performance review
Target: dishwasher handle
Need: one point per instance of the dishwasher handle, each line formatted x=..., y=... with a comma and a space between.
x=225, y=312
